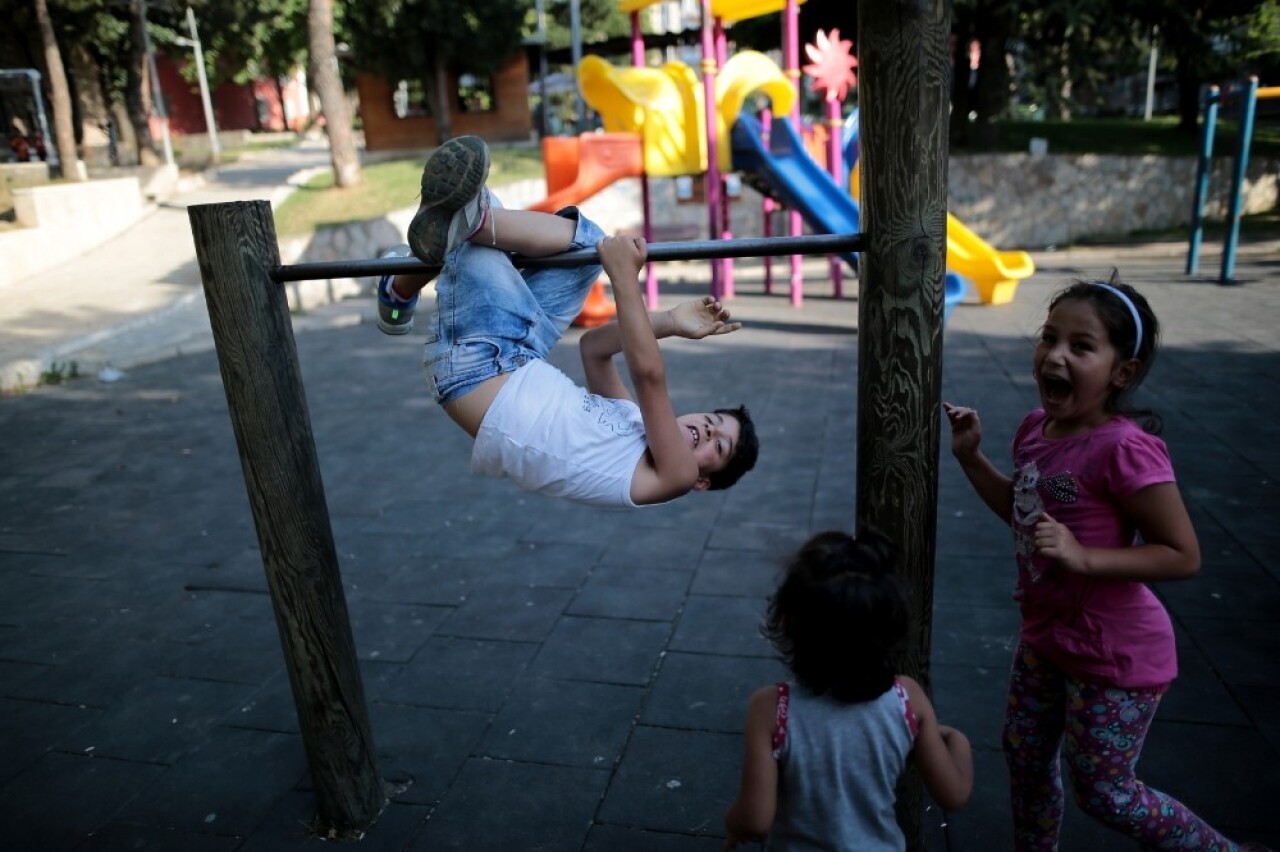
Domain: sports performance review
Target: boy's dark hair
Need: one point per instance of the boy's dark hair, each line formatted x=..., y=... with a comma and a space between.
x=744, y=457
x=839, y=614
x=1115, y=315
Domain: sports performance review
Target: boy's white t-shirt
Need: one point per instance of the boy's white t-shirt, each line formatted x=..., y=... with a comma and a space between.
x=555, y=437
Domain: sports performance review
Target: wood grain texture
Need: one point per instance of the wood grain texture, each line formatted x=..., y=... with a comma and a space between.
x=904, y=92
x=236, y=248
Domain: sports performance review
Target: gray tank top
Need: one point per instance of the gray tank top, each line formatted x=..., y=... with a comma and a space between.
x=837, y=767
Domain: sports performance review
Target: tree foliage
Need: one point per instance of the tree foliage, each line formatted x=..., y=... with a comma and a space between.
x=1056, y=54
x=406, y=38
x=1064, y=52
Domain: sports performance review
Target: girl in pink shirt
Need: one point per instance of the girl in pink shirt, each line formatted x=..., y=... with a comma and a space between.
x=1096, y=515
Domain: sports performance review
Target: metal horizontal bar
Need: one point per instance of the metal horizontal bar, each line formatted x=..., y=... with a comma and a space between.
x=688, y=250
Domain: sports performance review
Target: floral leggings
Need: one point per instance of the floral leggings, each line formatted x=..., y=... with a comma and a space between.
x=1100, y=729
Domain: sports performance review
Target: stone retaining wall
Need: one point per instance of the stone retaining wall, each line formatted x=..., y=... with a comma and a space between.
x=64, y=219
x=1025, y=201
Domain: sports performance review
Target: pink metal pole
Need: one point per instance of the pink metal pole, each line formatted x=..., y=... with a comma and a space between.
x=766, y=203
x=646, y=201
x=791, y=58
x=835, y=166
x=726, y=221
x=709, y=109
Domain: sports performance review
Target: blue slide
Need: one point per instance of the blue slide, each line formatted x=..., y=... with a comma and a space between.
x=789, y=173
x=850, y=137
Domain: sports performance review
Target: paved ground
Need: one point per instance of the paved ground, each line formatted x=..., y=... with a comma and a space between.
x=552, y=677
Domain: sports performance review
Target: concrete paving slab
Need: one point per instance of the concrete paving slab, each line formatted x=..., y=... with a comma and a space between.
x=530, y=727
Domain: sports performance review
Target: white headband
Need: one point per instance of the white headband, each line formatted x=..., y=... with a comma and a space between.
x=1133, y=311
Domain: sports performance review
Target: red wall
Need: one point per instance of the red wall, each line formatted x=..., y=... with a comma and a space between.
x=234, y=105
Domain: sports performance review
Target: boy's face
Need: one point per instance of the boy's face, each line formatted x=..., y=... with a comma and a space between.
x=713, y=438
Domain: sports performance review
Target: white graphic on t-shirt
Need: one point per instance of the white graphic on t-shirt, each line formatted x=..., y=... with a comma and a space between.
x=611, y=414
x=1027, y=509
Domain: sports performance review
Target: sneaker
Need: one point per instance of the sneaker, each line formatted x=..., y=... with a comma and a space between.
x=453, y=199
x=395, y=316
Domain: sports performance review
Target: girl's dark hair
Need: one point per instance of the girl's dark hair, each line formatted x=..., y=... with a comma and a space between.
x=839, y=614
x=1115, y=315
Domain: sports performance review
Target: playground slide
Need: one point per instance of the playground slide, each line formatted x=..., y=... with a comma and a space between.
x=580, y=166
x=661, y=106
x=747, y=73
x=995, y=274
x=801, y=183
x=788, y=170
x=577, y=168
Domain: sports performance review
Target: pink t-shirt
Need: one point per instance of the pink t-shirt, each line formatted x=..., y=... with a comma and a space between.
x=1115, y=631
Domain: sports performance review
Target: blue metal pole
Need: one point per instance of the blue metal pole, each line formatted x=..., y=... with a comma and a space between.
x=1237, y=181
x=1212, y=98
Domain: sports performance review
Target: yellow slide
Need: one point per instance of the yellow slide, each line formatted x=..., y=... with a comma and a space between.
x=744, y=73
x=994, y=273
x=662, y=105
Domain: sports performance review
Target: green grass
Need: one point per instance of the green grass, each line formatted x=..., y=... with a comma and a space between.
x=59, y=372
x=1160, y=137
x=387, y=186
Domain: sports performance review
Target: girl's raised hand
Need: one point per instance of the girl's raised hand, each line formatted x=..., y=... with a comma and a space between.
x=699, y=318
x=966, y=429
x=1057, y=542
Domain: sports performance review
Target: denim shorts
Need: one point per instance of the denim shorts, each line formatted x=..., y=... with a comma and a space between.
x=492, y=318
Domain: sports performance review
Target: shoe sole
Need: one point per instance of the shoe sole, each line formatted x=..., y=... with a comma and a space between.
x=394, y=330
x=453, y=176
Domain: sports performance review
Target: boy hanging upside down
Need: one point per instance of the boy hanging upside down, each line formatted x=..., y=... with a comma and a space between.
x=494, y=325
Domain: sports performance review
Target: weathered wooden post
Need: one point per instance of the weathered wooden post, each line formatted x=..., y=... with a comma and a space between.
x=236, y=248
x=903, y=98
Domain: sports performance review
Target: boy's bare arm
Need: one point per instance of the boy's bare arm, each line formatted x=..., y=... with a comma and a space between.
x=694, y=320
x=676, y=470
x=598, y=348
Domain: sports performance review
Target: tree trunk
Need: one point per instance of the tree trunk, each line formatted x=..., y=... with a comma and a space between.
x=444, y=116
x=904, y=95
x=1065, y=91
x=138, y=90
x=89, y=99
x=333, y=98
x=64, y=131
x=1187, y=74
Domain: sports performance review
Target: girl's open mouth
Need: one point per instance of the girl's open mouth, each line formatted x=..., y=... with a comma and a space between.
x=1055, y=389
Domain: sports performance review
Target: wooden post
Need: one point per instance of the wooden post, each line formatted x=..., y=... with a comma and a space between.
x=236, y=248
x=904, y=94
